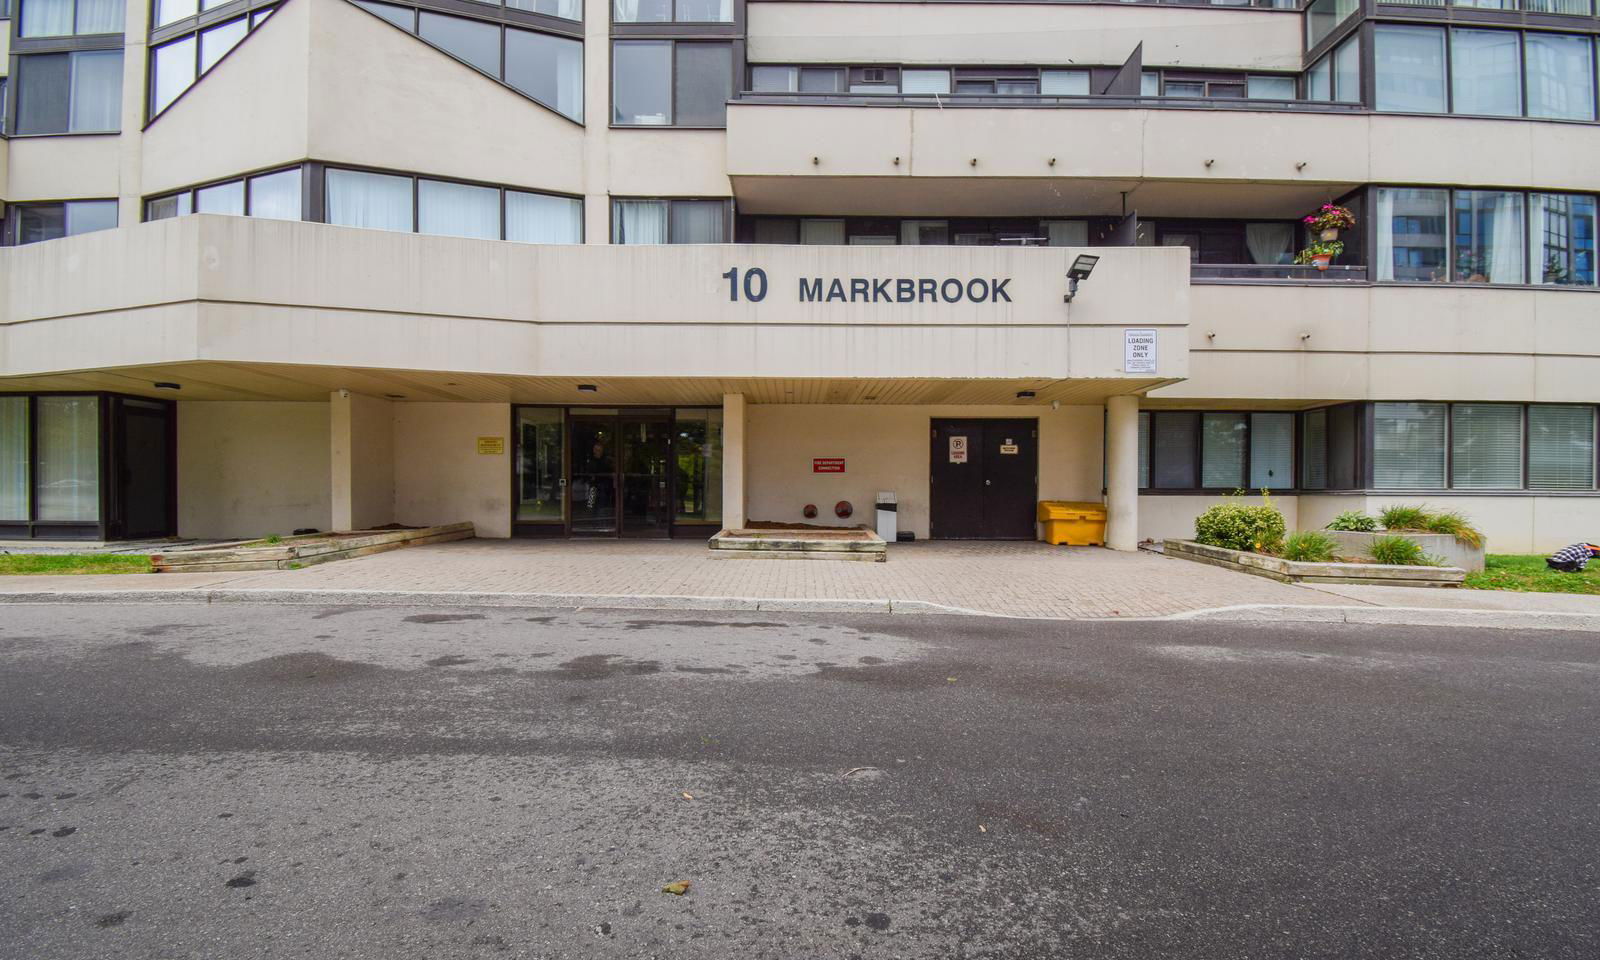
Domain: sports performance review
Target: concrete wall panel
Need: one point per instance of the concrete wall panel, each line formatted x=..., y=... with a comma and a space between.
x=62, y=168
x=248, y=469
x=439, y=475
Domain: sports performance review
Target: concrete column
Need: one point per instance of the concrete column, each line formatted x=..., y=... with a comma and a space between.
x=362, y=460
x=1122, y=473
x=733, y=460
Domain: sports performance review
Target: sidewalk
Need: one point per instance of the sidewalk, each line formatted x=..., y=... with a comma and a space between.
x=1029, y=580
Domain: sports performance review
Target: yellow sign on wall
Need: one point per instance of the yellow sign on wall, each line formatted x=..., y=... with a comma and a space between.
x=492, y=445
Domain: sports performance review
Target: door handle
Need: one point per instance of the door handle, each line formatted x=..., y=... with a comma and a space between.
x=987, y=482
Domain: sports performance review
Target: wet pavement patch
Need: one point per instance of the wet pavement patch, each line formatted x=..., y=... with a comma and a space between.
x=602, y=666
x=113, y=919
x=305, y=667
x=246, y=879
x=64, y=832
x=442, y=617
x=449, y=660
x=735, y=624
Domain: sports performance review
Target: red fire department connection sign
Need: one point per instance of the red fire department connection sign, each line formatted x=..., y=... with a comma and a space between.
x=827, y=465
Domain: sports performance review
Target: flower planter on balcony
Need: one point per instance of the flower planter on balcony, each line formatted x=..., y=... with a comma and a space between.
x=1332, y=233
x=1322, y=261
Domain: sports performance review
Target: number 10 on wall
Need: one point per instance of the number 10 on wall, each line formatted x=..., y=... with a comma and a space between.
x=755, y=284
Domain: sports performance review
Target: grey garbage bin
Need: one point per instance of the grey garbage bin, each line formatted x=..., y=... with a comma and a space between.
x=888, y=517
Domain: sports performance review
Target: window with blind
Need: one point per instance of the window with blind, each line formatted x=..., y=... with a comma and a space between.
x=1176, y=434
x=1560, y=447
x=1271, y=451
x=1222, y=445
x=1486, y=446
x=1144, y=450
x=1314, y=450
x=1408, y=449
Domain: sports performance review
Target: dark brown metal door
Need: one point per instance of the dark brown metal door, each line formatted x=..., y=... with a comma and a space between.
x=984, y=477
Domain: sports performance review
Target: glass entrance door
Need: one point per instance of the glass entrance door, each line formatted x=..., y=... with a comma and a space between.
x=646, y=452
x=593, y=487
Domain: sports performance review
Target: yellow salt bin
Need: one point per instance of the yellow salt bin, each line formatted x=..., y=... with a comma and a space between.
x=1074, y=523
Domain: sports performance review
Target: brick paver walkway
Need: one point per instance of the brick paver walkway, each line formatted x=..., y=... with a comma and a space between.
x=1014, y=579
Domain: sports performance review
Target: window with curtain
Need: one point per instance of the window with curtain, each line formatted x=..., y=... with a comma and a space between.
x=1409, y=64
x=1412, y=234
x=458, y=210
x=666, y=11
x=1486, y=72
x=822, y=232
x=542, y=218
x=1271, y=451
x=1176, y=435
x=1408, y=451
x=171, y=11
x=377, y=201
x=276, y=196
x=36, y=222
x=925, y=232
x=641, y=221
x=547, y=68
x=925, y=81
x=703, y=83
x=217, y=41
x=1561, y=238
x=67, y=470
x=1347, y=71
x=697, y=452
x=1065, y=83
x=698, y=221
x=62, y=18
x=1560, y=447
x=1144, y=450
x=1270, y=242
x=565, y=9
x=1488, y=237
x=1222, y=446
x=1066, y=233
x=1319, y=80
x=1314, y=450
x=77, y=92
x=1560, y=70
x=1269, y=88
x=641, y=82
x=224, y=198
x=1486, y=446
x=13, y=458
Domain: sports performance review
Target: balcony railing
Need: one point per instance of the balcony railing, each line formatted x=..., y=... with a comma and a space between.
x=1275, y=273
x=1039, y=100
x=1571, y=8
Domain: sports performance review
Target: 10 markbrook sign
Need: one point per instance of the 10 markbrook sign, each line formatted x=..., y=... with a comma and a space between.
x=752, y=285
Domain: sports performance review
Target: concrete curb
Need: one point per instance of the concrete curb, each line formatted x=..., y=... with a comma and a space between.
x=1244, y=613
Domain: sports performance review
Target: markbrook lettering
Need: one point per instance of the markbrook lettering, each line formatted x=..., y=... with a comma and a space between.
x=903, y=290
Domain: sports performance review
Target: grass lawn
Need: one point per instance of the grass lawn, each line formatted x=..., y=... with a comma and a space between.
x=21, y=563
x=1504, y=571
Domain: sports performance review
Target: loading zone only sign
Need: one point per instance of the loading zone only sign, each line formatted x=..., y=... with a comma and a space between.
x=1139, y=351
x=958, y=449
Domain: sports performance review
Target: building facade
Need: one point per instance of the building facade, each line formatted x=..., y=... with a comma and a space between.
x=651, y=268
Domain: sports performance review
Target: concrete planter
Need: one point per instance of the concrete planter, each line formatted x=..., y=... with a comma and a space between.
x=1453, y=551
x=859, y=544
x=1289, y=571
x=303, y=551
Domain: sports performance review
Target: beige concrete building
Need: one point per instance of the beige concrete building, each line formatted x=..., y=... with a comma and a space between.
x=651, y=268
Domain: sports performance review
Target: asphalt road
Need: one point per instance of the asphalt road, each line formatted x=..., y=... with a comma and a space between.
x=187, y=781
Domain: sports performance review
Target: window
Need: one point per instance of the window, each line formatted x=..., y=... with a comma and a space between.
x=177, y=64
x=697, y=455
x=1064, y=83
x=383, y=201
x=925, y=232
x=36, y=222
x=796, y=80
x=672, y=11
x=274, y=196
x=61, y=18
x=1560, y=447
x=13, y=459
x=1347, y=71
x=1314, y=450
x=1560, y=76
x=1319, y=80
x=1486, y=446
x=377, y=201
x=1270, y=88
x=1175, y=438
x=458, y=210
x=1561, y=239
x=565, y=9
x=662, y=82
x=1149, y=84
x=543, y=67
x=1222, y=446
x=1412, y=236
x=669, y=221
x=822, y=232
x=1486, y=72
x=1271, y=451
x=1322, y=16
x=1066, y=233
x=67, y=471
x=542, y=218
x=1144, y=450
x=69, y=92
x=1408, y=449
x=1488, y=237
x=1410, y=68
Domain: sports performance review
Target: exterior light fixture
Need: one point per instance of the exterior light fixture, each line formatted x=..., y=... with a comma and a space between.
x=167, y=385
x=588, y=388
x=1080, y=270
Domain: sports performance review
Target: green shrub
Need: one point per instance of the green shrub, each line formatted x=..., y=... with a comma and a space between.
x=1309, y=546
x=1400, y=552
x=1354, y=520
x=1456, y=525
x=1236, y=525
x=1404, y=518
